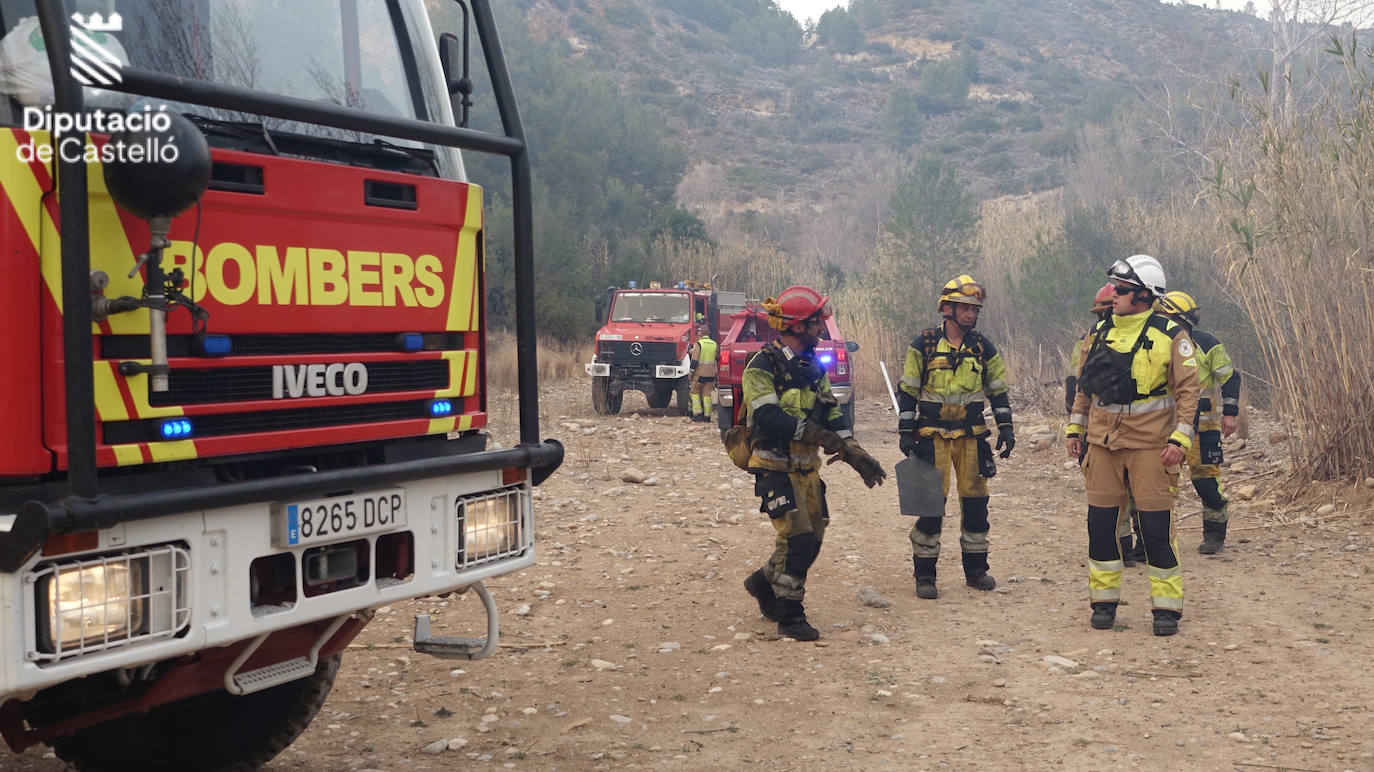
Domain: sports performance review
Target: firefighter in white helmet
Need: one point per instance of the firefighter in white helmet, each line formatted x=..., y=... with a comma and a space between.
x=1137, y=395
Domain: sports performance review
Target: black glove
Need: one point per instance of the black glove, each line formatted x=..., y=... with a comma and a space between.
x=906, y=442
x=867, y=466
x=1005, y=438
x=815, y=434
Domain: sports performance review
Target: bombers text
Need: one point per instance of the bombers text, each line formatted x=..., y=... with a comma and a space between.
x=234, y=274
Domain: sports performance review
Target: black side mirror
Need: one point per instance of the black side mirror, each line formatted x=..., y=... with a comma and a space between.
x=851, y=346
x=453, y=58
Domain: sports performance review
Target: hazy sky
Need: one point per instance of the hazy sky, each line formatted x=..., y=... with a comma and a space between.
x=812, y=9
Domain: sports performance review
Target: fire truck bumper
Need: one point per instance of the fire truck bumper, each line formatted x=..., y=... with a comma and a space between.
x=671, y=372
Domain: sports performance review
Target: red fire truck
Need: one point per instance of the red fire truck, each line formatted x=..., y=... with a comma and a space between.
x=643, y=344
x=747, y=333
x=245, y=399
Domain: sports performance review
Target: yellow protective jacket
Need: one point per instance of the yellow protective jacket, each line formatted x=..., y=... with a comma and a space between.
x=782, y=391
x=944, y=386
x=1165, y=371
x=704, y=352
x=1219, y=380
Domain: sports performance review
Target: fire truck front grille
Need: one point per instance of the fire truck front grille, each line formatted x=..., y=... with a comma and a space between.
x=624, y=352
x=242, y=384
x=117, y=432
x=136, y=346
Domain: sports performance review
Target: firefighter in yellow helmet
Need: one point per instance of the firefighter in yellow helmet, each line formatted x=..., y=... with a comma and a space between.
x=1217, y=412
x=950, y=371
x=703, y=352
x=791, y=415
x=1137, y=393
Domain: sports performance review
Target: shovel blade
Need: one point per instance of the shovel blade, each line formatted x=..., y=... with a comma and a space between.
x=920, y=491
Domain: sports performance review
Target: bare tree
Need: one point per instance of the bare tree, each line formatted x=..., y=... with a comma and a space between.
x=1297, y=26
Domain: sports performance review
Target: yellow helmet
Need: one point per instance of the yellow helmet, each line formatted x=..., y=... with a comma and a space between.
x=964, y=289
x=1180, y=306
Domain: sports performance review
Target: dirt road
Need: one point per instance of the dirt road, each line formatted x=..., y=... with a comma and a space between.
x=632, y=644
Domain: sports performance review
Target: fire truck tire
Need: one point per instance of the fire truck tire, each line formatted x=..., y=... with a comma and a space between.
x=605, y=401
x=684, y=397
x=215, y=731
x=659, y=397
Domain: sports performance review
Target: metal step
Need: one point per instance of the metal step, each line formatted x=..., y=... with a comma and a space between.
x=273, y=675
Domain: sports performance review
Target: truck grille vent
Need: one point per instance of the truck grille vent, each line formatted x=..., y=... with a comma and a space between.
x=622, y=352
x=242, y=384
x=117, y=432
x=136, y=346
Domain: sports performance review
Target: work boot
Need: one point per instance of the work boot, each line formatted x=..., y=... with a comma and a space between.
x=792, y=621
x=976, y=571
x=755, y=584
x=1166, y=621
x=1127, y=551
x=1104, y=616
x=925, y=578
x=1213, y=536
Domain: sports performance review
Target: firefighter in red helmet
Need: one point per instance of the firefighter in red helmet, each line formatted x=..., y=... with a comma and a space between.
x=791, y=416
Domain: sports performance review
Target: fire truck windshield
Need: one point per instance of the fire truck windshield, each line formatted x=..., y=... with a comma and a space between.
x=674, y=307
x=374, y=55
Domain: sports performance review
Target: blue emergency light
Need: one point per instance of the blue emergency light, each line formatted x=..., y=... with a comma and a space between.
x=410, y=341
x=826, y=358
x=175, y=429
x=438, y=408
x=211, y=345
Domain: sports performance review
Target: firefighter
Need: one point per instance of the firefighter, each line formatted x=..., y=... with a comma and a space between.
x=1128, y=530
x=950, y=370
x=703, y=352
x=1137, y=393
x=791, y=415
x=1218, y=379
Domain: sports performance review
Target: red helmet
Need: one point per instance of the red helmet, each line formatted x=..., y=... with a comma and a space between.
x=1102, y=301
x=795, y=304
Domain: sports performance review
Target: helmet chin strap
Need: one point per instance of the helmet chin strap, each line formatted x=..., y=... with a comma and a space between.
x=949, y=316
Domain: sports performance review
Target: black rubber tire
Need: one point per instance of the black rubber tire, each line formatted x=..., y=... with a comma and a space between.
x=213, y=732
x=684, y=397
x=848, y=410
x=605, y=401
x=659, y=397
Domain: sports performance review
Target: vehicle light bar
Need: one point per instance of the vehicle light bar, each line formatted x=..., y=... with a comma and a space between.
x=438, y=408
x=204, y=345
x=174, y=429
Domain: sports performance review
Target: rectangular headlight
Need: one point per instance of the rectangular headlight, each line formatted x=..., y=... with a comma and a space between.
x=91, y=604
x=491, y=528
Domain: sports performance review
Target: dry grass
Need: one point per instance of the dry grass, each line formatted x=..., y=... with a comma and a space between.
x=1296, y=201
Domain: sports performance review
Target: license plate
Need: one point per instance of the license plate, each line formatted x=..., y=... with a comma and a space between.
x=339, y=517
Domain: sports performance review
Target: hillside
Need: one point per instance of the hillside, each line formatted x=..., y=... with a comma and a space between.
x=999, y=88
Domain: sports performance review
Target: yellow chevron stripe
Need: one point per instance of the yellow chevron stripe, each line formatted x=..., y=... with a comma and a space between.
x=128, y=455
x=180, y=450
x=471, y=376
x=111, y=253
x=464, y=290
x=20, y=184
x=109, y=406
x=464, y=423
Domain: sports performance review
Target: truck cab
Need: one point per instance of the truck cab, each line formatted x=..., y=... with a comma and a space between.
x=642, y=345
x=250, y=400
x=748, y=332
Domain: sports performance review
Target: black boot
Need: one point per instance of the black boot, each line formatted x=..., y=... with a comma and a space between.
x=1166, y=621
x=925, y=578
x=1127, y=553
x=1213, y=536
x=755, y=584
x=976, y=571
x=792, y=621
x=1104, y=616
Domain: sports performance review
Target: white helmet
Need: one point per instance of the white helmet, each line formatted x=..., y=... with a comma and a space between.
x=1141, y=271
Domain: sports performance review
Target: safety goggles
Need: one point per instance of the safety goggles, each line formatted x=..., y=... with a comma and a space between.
x=970, y=289
x=1122, y=271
